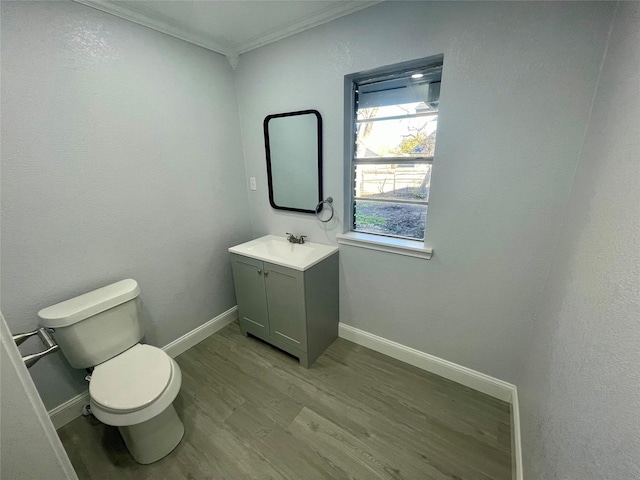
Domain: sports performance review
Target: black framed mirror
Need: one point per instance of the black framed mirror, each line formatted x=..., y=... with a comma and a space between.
x=293, y=145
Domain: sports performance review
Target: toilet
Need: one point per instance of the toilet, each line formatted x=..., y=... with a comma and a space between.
x=132, y=385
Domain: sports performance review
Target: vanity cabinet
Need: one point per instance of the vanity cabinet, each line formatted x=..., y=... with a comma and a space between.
x=294, y=310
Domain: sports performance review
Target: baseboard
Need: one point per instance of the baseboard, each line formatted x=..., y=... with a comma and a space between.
x=69, y=410
x=516, y=439
x=494, y=387
x=72, y=409
x=195, y=336
x=457, y=373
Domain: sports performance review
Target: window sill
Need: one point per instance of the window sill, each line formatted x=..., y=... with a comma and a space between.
x=399, y=246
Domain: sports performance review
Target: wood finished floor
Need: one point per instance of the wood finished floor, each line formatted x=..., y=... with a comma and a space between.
x=251, y=412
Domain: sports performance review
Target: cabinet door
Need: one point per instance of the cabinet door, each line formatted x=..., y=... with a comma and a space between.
x=248, y=277
x=285, y=301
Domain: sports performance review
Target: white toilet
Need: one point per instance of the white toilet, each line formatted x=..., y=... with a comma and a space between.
x=132, y=385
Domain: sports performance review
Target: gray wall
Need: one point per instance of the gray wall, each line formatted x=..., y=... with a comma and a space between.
x=517, y=87
x=579, y=389
x=121, y=157
x=31, y=448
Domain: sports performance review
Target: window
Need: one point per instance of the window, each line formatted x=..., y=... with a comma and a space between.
x=392, y=121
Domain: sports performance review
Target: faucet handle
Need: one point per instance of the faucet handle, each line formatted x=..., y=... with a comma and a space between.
x=302, y=237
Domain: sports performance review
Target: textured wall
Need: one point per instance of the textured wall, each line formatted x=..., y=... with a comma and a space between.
x=31, y=448
x=517, y=87
x=121, y=157
x=580, y=386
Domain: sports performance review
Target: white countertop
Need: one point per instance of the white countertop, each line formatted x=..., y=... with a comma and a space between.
x=276, y=249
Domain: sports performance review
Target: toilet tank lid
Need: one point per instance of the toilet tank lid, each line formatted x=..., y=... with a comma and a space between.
x=78, y=308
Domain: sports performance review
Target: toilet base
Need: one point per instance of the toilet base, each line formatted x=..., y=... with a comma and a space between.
x=154, y=439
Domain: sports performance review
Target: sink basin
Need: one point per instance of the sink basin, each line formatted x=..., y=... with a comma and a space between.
x=278, y=250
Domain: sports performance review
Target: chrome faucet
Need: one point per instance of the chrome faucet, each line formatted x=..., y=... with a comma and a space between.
x=293, y=239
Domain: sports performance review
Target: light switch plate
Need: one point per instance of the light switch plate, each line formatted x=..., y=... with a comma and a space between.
x=252, y=183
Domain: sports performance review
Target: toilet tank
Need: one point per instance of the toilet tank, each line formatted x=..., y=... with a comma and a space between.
x=96, y=326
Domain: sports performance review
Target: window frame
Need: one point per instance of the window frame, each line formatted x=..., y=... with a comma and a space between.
x=365, y=239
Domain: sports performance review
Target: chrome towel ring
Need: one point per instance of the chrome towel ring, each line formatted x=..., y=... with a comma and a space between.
x=319, y=207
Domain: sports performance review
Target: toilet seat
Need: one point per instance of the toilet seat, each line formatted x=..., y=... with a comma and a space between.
x=132, y=380
x=134, y=386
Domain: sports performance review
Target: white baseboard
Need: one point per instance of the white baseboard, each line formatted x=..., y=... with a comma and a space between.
x=444, y=368
x=72, y=409
x=69, y=410
x=516, y=440
x=494, y=387
x=195, y=336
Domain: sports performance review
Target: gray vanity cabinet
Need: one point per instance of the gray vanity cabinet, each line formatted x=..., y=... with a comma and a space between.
x=296, y=311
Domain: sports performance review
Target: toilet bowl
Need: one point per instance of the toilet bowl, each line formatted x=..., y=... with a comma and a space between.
x=132, y=385
x=134, y=391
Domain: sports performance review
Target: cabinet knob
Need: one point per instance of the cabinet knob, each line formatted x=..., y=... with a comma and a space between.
x=266, y=273
x=259, y=271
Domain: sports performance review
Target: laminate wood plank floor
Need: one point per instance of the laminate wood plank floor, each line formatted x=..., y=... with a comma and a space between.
x=252, y=412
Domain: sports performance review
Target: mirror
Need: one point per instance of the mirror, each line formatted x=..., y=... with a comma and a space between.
x=293, y=143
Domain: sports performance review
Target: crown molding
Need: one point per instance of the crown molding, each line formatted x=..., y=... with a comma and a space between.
x=232, y=52
x=337, y=10
x=155, y=23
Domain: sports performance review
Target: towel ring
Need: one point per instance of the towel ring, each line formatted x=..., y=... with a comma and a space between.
x=329, y=202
